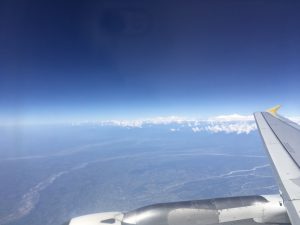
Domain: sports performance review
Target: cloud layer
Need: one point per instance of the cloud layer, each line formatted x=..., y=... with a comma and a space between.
x=233, y=123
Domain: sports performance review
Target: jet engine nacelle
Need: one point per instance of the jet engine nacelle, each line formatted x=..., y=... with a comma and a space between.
x=248, y=210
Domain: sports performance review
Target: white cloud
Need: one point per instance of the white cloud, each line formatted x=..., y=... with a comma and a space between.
x=233, y=123
x=174, y=129
x=142, y=122
x=197, y=129
x=231, y=118
x=239, y=127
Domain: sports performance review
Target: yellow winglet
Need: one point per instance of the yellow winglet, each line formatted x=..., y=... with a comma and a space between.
x=274, y=109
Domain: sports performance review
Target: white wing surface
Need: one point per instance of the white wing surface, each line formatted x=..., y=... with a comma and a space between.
x=282, y=141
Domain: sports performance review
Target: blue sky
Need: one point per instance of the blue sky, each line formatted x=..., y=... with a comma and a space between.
x=63, y=61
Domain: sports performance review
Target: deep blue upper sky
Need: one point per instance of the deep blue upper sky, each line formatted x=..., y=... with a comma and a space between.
x=71, y=60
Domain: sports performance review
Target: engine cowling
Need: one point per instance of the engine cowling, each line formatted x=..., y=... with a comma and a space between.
x=244, y=210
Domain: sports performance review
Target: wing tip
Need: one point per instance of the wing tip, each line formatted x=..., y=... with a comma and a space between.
x=274, y=109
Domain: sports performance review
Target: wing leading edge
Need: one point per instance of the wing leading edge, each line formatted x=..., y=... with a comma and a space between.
x=282, y=141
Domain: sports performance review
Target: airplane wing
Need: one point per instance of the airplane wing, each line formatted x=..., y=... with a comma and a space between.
x=282, y=141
